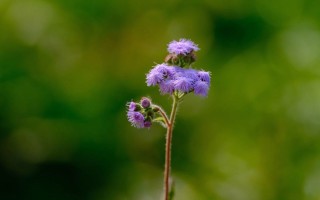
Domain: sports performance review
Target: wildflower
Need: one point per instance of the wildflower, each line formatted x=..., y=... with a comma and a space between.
x=191, y=73
x=158, y=73
x=183, y=84
x=132, y=106
x=182, y=47
x=154, y=77
x=174, y=78
x=136, y=119
x=204, y=76
x=166, y=87
x=164, y=70
x=201, y=88
x=141, y=114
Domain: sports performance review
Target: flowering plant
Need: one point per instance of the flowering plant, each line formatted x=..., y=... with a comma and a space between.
x=173, y=78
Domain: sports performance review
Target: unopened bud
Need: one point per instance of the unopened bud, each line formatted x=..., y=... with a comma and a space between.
x=145, y=102
x=147, y=124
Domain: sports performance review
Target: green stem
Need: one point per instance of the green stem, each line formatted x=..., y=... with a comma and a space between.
x=167, y=165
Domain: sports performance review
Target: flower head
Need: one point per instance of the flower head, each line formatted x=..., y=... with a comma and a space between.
x=182, y=47
x=204, y=76
x=201, y=88
x=164, y=70
x=183, y=84
x=153, y=78
x=132, y=106
x=174, y=78
x=158, y=73
x=141, y=114
x=167, y=87
x=136, y=119
x=191, y=73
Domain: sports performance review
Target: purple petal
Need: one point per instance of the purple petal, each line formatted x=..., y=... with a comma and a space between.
x=201, y=88
x=204, y=76
x=191, y=73
x=154, y=78
x=182, y=47
x=132, y=106
x=136, y=119
x=183, y=84
x=167, y=87
x=159, y=73
x=165, y=70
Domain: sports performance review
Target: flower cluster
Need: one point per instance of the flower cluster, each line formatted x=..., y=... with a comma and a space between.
x=174, y=78
x=181, y=52
x=171, y=76
x=140, y=115
x=182, y=47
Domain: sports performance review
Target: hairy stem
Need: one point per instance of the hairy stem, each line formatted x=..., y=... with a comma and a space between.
x=164, y=115
x=167, y=165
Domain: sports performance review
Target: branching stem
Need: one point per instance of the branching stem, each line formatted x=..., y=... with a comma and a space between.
x=164, y=115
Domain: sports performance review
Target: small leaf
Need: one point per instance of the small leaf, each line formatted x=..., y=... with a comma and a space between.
x=161, y=121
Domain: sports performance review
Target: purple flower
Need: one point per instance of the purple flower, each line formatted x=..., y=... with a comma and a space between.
x=159, y=73
x=136, y=119
x=191, y=73
x=183, y=84
x=132, y=106
x=204, y=76
x=145, y=102
x=174, y=78
x=166, y=87
x=178, y=69
x=165, y=70
x=201, y=88
x=182, y=47
x=153, y=78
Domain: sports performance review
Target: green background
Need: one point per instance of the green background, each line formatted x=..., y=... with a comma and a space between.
x=68, y=68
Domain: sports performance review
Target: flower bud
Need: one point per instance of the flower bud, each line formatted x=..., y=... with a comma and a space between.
x=145, y=102
x=147, y=124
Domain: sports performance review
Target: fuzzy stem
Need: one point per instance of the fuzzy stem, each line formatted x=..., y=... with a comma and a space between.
x=164, y=115
x=167, y=165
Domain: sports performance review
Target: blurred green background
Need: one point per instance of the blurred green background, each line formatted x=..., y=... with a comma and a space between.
x=67, y=69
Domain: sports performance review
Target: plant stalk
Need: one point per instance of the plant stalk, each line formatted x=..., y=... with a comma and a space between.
x=167, y=165
x=164, y=115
